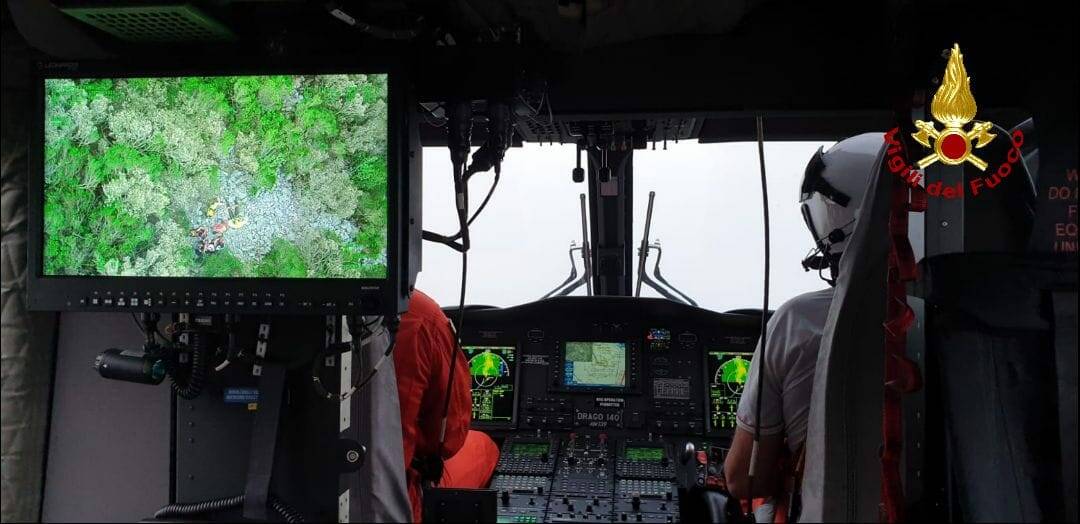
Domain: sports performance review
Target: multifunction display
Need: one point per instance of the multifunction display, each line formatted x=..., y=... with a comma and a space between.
x=594, y=364
x=727, y=374
x=493, y=370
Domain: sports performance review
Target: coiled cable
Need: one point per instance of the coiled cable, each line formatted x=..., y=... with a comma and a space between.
x=286, y=512
x=192, y=386
x=199, y=508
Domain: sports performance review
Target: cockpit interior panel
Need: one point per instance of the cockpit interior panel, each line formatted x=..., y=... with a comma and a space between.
x=593, y=397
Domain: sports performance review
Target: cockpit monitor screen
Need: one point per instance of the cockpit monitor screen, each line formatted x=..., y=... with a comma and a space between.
x=594, y=364
x=255, y=176
x=658, y=339
x=493, y=370
x=644, y=454
x=727, y=377
x=530, y=449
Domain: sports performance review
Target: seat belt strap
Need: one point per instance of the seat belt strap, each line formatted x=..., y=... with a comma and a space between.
x=793, y=505
x=264, y=434
x=901, y=374
x=1065, y=341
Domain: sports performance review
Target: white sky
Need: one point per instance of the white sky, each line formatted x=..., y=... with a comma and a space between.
x=707, y=215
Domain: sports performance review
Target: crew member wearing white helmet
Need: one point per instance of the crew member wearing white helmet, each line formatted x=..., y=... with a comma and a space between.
x=832, y=191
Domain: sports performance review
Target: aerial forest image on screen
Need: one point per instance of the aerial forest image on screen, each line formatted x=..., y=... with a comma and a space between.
x=228, y=176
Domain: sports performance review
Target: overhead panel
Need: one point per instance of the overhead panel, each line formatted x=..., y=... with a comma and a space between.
x=153, y=22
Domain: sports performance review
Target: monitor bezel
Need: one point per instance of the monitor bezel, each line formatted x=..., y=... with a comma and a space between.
x=512, y=424
x=711, y=431
x=261, y=295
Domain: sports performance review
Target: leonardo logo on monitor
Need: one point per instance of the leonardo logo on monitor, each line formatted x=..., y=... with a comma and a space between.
x=280, y=176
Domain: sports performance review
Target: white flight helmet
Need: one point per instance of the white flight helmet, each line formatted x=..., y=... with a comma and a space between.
x=832, y=191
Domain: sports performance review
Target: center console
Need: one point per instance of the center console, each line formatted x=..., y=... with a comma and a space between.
x=594, y=398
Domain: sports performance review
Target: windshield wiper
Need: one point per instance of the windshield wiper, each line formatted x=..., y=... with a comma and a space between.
x=570, y=284
x=661, y=285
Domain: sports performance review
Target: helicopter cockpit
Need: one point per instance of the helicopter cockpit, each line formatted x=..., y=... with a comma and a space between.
x=607, y=202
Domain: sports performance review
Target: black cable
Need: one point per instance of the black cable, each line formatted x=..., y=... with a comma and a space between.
x=360, y=384
x=461, y=192
x=148, y=336
x=483, y=204
x=457, y=328
x=488, y=156
x=491, y=191
x=457, y=334
x=457, y=345
x=199, y=508
x=138, y=323
x=459, y=141
x=453, y=366
x=192, y=386
x=764, y=310
x=287, y=513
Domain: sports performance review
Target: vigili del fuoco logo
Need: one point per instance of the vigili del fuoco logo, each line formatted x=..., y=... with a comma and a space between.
x=953, y=106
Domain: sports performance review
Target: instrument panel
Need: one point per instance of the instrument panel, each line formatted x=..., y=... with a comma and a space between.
x=614, y=364
x=592, y=398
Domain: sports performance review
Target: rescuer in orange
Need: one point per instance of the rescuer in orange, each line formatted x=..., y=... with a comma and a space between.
x=425, y=345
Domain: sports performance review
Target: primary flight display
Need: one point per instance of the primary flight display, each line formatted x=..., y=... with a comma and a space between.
x=728, y=372
x=493, y=380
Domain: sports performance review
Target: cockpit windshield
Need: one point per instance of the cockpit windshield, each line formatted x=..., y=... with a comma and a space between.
x=706, y=219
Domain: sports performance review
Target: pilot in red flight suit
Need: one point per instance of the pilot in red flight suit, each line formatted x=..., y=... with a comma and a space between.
x=425, y=344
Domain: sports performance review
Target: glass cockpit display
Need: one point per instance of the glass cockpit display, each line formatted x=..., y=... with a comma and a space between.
x=493, y=370
x=644, y=454
x=255, y=176
x=594, y=364
x=658, y=339
x=530, y=449
x=727, y=373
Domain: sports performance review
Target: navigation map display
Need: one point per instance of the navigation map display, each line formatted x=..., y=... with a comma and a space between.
x=727, y=377
x=594, y=364
x=493, y=370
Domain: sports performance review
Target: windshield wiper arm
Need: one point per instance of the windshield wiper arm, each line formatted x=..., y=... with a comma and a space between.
x=586, y=278
x=660, y=284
